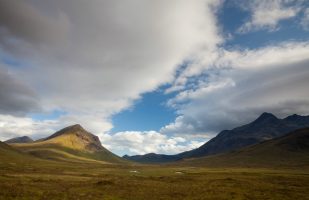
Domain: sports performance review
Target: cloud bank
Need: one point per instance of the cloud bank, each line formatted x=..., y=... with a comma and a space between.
x=15, y=97
x=136, y=142
x=246, y=83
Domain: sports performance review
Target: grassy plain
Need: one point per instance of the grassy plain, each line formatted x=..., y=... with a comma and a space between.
x=65, y=180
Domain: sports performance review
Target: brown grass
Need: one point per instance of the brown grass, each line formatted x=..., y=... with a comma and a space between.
x=97, y=181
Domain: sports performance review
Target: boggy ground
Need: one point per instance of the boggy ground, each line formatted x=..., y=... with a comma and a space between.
x=107, y=182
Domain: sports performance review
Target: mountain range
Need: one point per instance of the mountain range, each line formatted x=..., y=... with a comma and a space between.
x=265, y=127
x=265, y=140
x=290, y=150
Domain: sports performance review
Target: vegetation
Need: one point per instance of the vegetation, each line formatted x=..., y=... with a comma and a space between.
x=24, y=177
x=97, y=181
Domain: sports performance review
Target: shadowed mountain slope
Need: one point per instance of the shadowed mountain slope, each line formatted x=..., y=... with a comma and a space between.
x=291, y=150
x=266, y=127
x=23, y=139
x=151, y=158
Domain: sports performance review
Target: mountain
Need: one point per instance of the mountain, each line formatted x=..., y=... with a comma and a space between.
x=290, y=150
x=151, y=158
x=76, y=137
x=265, y=127
x=23, y=139
x=73, y=144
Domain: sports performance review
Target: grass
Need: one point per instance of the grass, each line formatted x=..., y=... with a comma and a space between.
x=58, y=180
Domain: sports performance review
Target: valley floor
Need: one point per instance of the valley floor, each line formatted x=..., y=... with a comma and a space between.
x=105, y=182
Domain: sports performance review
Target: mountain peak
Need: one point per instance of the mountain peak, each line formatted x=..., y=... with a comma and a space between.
x=76, y=137
x=293, y=117
x=75, y=127
x=265, y=117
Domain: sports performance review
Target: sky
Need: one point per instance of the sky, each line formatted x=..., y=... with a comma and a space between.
x=150, y=76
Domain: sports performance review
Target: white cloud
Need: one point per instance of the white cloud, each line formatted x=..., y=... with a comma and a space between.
x=266, y=14
x=136, y=142
x=246, y=84
x=15, y=126
x=11, y=126
x=305, y=20
x=285, y=53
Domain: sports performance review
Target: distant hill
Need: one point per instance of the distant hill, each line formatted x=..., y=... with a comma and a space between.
x=151, y=158
x=291, y=150
x=72, y=144
x=23, y=139
x=265, y=127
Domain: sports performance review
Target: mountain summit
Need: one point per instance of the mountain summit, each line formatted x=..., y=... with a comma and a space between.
x=265, y=118
x=76, y=137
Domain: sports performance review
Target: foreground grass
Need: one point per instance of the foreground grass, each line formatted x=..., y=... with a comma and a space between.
x=97, y=181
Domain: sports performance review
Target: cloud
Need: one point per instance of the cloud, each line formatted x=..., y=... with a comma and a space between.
x=11, y=126
x=266, y=14
x=23, y=23
x=246, y=83
x=136, y=142
x=15, y=97
x=94, y=59
x=305, y=20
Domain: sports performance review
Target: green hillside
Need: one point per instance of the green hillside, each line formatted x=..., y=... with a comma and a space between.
x=11, y=158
